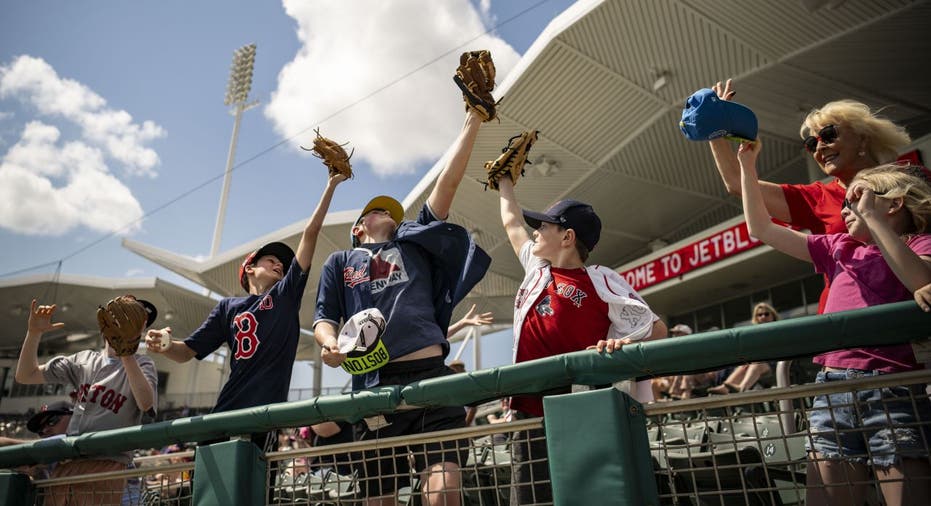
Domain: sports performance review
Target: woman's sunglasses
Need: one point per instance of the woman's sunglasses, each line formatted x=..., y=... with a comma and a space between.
x=763, y=314
x=826, y=135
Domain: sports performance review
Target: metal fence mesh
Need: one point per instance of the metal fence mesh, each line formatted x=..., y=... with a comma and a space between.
x=750, y=448
x=746, y=449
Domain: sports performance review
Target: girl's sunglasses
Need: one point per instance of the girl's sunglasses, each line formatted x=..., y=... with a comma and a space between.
x=827, y=135
x=846, y=204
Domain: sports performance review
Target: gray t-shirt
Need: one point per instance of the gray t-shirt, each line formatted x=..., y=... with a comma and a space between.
x=104, y=397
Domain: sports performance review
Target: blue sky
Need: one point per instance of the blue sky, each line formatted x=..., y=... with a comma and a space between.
x=112, y=115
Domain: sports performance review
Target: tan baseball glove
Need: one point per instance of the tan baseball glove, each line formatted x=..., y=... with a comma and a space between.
x=121, y=324
x=511, y=162
x=475, y=76
x=332, y=154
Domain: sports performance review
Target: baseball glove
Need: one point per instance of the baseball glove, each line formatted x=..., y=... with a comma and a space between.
x=511, y=161
x=475, y=76
x=332, y=154
x=121, y=324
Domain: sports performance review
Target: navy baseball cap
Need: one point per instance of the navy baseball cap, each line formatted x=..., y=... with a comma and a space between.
x=37, y=422
x=573, y=214
x=279, y=250
x=707, y=117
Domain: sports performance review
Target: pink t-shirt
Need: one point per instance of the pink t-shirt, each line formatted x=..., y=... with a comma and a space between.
x=860, y=277
x=816, y=206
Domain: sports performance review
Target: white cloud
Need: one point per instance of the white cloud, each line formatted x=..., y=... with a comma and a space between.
x=351, y=49
x=33, y=81
x=48, y=190
x=131, y=273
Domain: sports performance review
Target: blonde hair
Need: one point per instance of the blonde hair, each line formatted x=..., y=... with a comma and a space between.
x=883, y=138
x=898, y=181
x=766, y=306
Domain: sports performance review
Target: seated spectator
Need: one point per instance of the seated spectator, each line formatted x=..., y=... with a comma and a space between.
x=744, y=377
x=685, y=386
x=161, y=487
x=663, y=387
x=332, y=433
x=51, y=421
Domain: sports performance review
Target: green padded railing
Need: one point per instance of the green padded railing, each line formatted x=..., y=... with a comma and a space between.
x=888, y=324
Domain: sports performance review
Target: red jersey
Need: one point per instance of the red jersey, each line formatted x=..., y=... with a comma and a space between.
x=567, y=316
x=817, y=207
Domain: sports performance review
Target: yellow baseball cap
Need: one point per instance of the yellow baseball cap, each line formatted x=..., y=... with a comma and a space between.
x=394, y=208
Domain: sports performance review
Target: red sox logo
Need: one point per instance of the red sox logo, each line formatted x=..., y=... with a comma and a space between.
x=266, y=303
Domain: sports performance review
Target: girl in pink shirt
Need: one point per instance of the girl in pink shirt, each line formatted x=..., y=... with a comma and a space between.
x=884, y=257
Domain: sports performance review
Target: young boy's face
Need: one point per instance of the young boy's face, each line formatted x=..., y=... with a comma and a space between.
x=267, y=270
x=547, y=241
x=375, y=223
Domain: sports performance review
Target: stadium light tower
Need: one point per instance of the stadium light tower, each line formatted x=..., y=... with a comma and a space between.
x=237, y=95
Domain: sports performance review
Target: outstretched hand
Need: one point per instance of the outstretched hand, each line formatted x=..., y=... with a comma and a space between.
x=748, y=154
x=473, y=319
x=336, y=178
x=40, y=318
x=724, y=91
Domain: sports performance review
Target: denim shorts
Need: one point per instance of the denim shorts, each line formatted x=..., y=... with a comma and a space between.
x=877, y=427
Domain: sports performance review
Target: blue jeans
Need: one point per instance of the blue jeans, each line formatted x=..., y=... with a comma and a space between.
x=877, y=426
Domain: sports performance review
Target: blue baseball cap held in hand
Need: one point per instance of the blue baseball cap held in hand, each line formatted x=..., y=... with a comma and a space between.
x=707, y=117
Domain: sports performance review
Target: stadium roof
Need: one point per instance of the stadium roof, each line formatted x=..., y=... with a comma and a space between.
x=605, y=84
x=78, y=298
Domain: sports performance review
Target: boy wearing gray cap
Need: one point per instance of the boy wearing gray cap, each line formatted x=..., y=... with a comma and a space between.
x=563, y=306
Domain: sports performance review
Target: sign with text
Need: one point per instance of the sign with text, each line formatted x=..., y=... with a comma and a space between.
x=717, y=247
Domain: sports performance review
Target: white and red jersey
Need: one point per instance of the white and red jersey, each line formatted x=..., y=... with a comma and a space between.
x=562, y=311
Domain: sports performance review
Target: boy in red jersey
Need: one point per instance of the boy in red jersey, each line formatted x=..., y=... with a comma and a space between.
x=563, y=306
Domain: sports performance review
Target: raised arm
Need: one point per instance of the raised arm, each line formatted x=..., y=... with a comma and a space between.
x=305, y=250
x=511, y=216
x=28, y=371
x=143, y=391
x=784, y=239
x=725, y=160
x=441, y=198
x=912, y=270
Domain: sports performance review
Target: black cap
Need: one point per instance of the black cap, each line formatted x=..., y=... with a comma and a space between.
x=573, y=214
x=279, y=250
x=150, y=310
x=37, y=422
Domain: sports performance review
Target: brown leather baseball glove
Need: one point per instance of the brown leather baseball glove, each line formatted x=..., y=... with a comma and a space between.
x=332, y=154
x=121, y=324
x=511, y=161
x=475, y=76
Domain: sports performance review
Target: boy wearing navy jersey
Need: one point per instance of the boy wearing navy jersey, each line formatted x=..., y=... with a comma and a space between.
x=412, y=273
x=563, y=306
x=260, y=329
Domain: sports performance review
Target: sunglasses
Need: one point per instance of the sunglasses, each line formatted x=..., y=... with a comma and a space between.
x=827, y=135
x=846, y=204
x=763, y=315
x=49, y=423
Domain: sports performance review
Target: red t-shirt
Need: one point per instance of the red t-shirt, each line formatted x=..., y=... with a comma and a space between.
x=567, y=316
x=817, y=207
